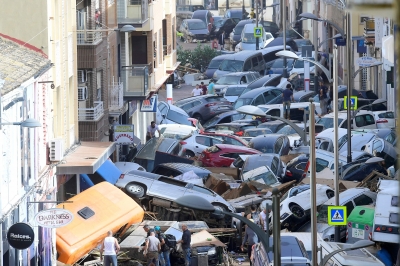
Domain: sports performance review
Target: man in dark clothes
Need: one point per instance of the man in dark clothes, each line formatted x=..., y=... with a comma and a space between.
x=203, y=87
x=287, y=96
x=186, y=239
x=221, y=40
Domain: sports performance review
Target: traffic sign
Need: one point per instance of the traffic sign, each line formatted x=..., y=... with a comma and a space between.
x=367, y=61
x=337, y=215
x=353, y=100
x=257, y=31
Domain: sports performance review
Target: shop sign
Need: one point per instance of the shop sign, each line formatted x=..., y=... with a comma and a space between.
x=123, y=134
x=53, y=218
x=20, y=236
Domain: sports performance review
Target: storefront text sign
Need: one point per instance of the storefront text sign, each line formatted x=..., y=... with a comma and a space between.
x=123, y=134
x=53, y=218
x=20, y=235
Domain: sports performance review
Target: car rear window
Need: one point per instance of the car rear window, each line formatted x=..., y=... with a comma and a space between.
x=386, y=115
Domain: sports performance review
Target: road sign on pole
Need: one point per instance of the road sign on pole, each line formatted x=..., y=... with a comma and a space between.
x=258, y=32
x=337, y=215
x=353, y=100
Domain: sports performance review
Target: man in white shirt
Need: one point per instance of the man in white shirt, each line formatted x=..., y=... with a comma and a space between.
x=197, y=91
x=151, y=130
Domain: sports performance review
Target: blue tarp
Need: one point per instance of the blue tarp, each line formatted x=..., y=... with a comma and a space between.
x=106, y=172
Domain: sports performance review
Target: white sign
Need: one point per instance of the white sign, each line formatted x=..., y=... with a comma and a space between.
x=149, y=105
x=53, y=218
x=379, y=27
x=366, y=61
x=123, y=134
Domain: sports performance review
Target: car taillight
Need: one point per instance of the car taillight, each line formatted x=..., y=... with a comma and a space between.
x=121, y=176
x=288, y=173
x=306, y=169
x=182, y=142
x=379, y=121
x=210, y=104
x=239, y=133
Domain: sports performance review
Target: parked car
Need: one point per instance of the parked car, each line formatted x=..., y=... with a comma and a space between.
x=236, y=34
x=236, y=128
x=271, y=143
x=270, y=27
x=171, y=114
x=359, y=170
x=225, y=117
x=125, y=167
x=270, y=80
x=298, y=67
x=279, y=41
x=214, y=65
x=227, y=138
x=363, y=119
x=293, y=135
x=385, y=119
x=206, y=16
x=140, y=184
x=296, y=110
x=235, y=78
x=381, y=148
x=190, y=8
x=223, y=155
x=195, y=144
x=301, y=42
x=225, y=25
x=367, y=94
x=181, y=16
x=384, y=133
x=232, y=92
x=254, y=132
x=350, y=198
x=176, y=131
x=194, y=29
x=269, y=54
x=176, y=169
x=234, y=13
x=303, y=96
x=295, y=206
x=277, y=66
x=295, y=169
x=248, y=40
x=274, y=126
x=263, y=95
x=262, y=175
x=273, y=161
x=204, y=107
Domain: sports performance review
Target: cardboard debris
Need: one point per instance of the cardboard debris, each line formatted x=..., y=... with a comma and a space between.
x=282, y=187
x=233, y=172
x=244, y=189
x=216, y=182
x=204, y=238
x=286, y=158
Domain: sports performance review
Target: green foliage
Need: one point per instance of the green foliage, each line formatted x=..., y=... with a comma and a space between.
x=200, y=56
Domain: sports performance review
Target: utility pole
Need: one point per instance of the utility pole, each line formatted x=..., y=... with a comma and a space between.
x=349, y=83
x=315, y=37
x=283, y=28
x=257, y=38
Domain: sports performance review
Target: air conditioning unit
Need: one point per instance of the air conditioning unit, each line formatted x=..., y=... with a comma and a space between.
x=56, y=149
x=82, y=76
x=82, y=93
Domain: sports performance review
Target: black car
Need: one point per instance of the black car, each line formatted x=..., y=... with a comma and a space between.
x=271, y=143
x=342, y=91
x=194, y=29
x=359, y=170
x=274, y=126
x=236, y=34
x=295, y=169
x=225, y=25
x=271, y=27
x=176, y=169
x=272, y=80
x=303, y=96
x=279, y=41
x=226, y=117
x=273, y=161
x=235, y=13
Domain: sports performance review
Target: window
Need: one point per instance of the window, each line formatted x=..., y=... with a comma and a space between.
x=243, y=80
x=274, y=112
x=278, y=146
x=343, y=125
x=273, y=82
x=202, y=190
x=259, y=100
x=360, y=121
x=369, y=120
x=215, y=141
x=163, y=108
x=203, y=141
x=268, y=96
x=274, y=165
x=394, y=218
x=391, y=138
x=301, y=166
x=321, y=164
x=254, y=61
x=377, y=146
x=247, y=66
x=187, y=106
x=259, y=58
x=172, y=181
x=395, y=201
x=349, y=206
x=386, y=115
x=362, y=200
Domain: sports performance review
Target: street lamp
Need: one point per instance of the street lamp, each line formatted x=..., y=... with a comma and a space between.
x=359, y=244
x=28, y=123
x=333, y=38
x=362, y=68
x=311, y=16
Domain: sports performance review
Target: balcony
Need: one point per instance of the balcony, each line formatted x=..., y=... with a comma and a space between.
x=116, y=99
x=89, y=37
x=136, y=80
x=167, y=49
x=135, y=13
x=91, y=114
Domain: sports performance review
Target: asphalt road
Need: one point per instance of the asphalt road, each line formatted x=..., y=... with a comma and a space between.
x=193, y=45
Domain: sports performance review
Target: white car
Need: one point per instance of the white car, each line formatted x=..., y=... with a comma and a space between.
x=384, y=119
x=194, y=144
x=363, y=119
x=295, y=206
x=176, y=131
x=298, y=67
x=248, y=41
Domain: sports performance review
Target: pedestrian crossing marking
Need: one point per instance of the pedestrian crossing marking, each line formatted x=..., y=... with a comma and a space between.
x=337, y=216
x=258, y=32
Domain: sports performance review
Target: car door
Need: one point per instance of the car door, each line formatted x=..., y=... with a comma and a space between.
x=268, y=96
x=168, y=188
x=369, y=121
x=203, y=142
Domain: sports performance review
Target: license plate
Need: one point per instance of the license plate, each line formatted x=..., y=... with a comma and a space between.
x=224, y=107
x=357, y=233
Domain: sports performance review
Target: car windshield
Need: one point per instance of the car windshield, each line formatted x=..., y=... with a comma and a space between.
x=178, y=118
x=249, y=38
x=212, y=121
x=231, y=65
x=214, y=64
x=300, y=64
x=322, y=214
x=327, y=122
x=302, y=42
x=234, y=91
x=321, y=164
x=254, y=162
x=242, y=101
x=255, y=133
x=262, y=175
x=238, y=30
x=228, y=80
x=286, y=130
x=197, y=25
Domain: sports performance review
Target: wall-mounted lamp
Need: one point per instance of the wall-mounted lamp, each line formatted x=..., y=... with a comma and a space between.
x=29, y=123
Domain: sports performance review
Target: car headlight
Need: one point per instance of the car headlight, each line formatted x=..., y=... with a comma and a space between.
x=284, y=216
x=212, y=251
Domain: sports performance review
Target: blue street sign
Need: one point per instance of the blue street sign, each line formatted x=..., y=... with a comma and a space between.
x=361, y=47
x=337, y=215
x=340, y=41
x=258, y=32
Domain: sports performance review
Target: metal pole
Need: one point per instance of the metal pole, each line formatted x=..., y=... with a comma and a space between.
x=227, y=4
x=257, y=39
x=336, y=136
x=283, y=23
x=276, y=235
x=349, y=82
x=262, y=13
x=313, y=187
x=315, y=37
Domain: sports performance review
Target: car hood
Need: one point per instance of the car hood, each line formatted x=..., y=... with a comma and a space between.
x=325, y=229
x=219, y=73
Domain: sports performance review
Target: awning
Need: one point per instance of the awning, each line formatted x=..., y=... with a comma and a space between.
x=107, y=172
x=86, y=158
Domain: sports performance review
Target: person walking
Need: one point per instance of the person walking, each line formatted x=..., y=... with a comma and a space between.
x=214, y=43
x=152, y=247
x=210, y=89
x=255, y=215
x=186, y=240
x=323, y=99
x=165, y=250
x=251, y=238
x=264, y=219
x=221, y=40
x=203, y=88
x=287, y=96
x=197, y=91
x=111, y=248
x=151, y=130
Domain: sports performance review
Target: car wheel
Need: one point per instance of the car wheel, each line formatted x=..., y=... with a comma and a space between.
x=136, y=190
x=189, y=154
x=198, y=117
x=296, y=210
x=330, y=194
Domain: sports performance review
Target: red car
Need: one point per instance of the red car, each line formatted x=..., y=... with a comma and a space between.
x=222, y=155
x=227, y=138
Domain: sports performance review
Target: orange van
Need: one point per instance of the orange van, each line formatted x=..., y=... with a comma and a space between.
x=96, y=210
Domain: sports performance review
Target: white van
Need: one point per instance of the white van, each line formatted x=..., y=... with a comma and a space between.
x=386, y=218
x=248, y=41
x=296, y=110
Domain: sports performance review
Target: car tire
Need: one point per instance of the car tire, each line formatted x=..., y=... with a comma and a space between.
x=296, y=210
x=189, y=154
x=135, y=189
x=198, y=117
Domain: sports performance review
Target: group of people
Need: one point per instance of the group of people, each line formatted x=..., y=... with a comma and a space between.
x=203, y=89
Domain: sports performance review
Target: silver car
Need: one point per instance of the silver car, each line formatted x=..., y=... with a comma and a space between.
x=140, y=184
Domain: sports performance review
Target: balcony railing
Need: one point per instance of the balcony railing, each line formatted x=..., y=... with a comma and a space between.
x=116, y=99
x=136, y=11
x=91, y=114
x=89, y=37
x=136, y=79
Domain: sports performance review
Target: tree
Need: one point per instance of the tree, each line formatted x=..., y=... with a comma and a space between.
x=200, y=56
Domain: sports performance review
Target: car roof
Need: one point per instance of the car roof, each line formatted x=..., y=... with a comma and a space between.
x=291, y=247
x=255, y=92
x=194, y=20
x=343, y=114
x=242, y=55
x=347, y=195
x=238, y=73
x=235, y=147
x=246, y=21
x=201, y=11
x=278, y=105
x=271, y=137
x=223, y=57
x=274, y=122
x=184, y=167
x=261, y=81
x=225, y=114
x=234, y=124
